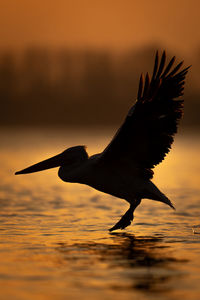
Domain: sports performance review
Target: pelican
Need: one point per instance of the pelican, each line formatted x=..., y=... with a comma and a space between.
x=124, y=168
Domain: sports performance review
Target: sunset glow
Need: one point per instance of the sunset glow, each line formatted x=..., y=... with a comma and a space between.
x=113, y=24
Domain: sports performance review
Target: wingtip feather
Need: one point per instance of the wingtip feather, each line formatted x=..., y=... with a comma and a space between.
x=162, y=63
x=174, y=71
x=146, y=85
x=140, y=88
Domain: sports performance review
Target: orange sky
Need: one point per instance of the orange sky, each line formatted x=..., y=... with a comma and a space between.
x=118, y=24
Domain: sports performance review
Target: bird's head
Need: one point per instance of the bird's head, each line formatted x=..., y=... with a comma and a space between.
x=69, y=157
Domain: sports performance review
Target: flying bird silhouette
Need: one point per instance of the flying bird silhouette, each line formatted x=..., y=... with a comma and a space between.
x=125, y=168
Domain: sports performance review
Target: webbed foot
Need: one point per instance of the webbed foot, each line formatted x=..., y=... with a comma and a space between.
x=124, y=221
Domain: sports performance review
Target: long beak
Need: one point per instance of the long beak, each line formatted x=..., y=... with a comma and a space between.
x=52, y=162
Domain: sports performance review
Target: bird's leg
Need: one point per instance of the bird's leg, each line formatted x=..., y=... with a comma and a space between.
x=127, y=217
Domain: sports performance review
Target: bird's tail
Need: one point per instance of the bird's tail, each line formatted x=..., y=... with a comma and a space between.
x=155, y=194
x=167, y=201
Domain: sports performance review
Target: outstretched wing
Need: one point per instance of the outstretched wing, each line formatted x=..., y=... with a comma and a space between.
x=147, y=133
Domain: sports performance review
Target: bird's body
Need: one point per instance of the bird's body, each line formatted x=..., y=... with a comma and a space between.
x=121, y=184
x=125, y=168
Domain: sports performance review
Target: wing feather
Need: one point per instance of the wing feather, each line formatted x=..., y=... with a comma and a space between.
x=169, y=66
x=146, y=86
x=140, y=89
x=148, y=131
x=162, y=63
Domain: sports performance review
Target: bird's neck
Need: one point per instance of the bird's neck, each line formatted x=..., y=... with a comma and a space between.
x=73, y=173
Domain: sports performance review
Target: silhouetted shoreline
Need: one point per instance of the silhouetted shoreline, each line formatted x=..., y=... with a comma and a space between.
x=44, y=87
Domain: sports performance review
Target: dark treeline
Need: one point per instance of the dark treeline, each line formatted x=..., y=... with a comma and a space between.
x=82, y=87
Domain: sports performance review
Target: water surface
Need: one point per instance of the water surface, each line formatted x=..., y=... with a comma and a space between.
x=55, y=242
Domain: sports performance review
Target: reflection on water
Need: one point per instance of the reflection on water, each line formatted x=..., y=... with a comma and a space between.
x=55, y=242
x=143, y=263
